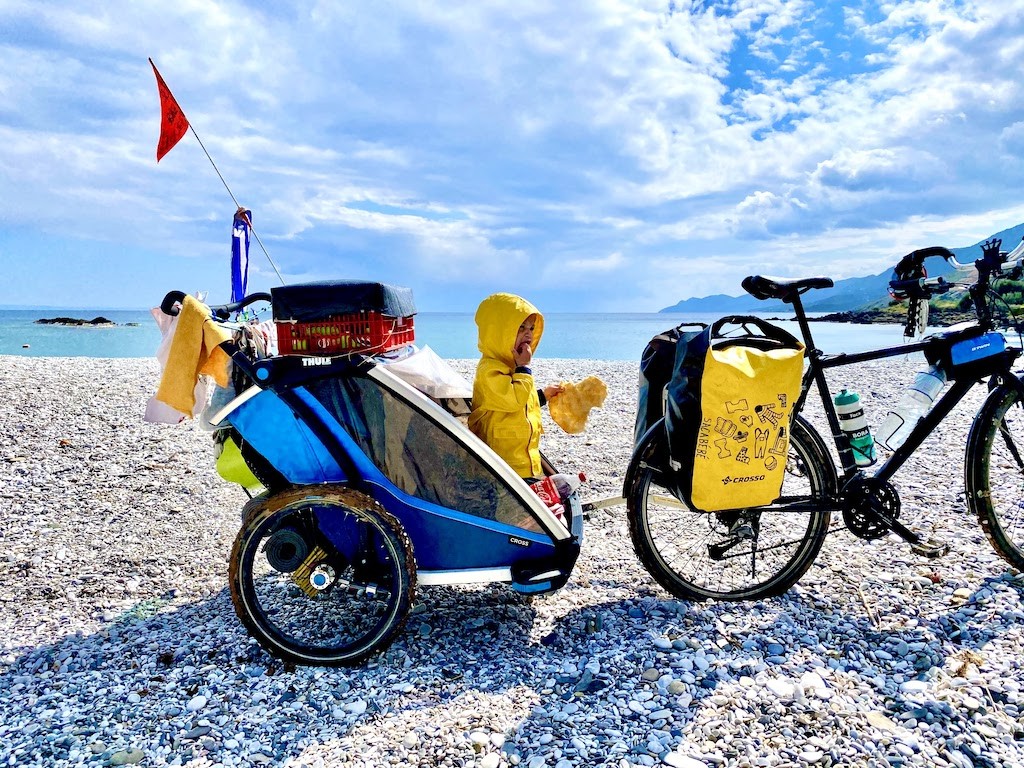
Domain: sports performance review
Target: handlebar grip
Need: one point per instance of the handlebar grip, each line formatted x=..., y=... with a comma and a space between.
x=921, y=288
x=220, y=311
x=913, y=289
x=172, y=298
x=223, y=311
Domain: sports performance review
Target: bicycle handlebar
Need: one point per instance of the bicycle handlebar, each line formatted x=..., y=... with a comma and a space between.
x=219, y=311
x=1008, y=261
x=993, y=262
x=921, y=288
x=911, y=283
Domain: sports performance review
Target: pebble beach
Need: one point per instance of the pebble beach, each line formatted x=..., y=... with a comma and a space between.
x=119, y=644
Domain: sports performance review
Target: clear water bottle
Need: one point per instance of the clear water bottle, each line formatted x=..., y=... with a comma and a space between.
x=565, y=484
x=852, y=422
x=914, y=404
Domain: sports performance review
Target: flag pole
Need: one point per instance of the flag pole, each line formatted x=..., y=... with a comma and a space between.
x=235, y=201
x=172, y=129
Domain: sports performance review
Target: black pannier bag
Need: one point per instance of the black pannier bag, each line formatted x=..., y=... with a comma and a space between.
x=656, y=366
x=728, y=409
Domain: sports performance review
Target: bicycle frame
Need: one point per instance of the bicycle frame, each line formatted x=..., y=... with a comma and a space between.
x=819, y=362
x=761, y=551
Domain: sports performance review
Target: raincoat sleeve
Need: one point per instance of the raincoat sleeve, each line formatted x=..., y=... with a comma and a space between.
x=502, y=391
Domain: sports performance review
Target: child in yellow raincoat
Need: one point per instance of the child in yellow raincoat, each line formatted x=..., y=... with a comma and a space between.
x=506, y=403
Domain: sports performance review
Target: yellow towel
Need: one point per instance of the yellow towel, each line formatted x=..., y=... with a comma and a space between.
x=194, y=352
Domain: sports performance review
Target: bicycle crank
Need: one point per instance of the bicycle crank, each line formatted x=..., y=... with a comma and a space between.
x=871, y=510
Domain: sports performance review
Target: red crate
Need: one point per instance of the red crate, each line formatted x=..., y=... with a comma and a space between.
x=367, y=333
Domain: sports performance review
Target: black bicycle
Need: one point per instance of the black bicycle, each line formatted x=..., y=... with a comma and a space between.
x=761, y=552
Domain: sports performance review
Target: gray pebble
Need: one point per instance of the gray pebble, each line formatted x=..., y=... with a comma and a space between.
x=120, y=638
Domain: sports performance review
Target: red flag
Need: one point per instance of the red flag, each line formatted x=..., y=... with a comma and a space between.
x=173, y=122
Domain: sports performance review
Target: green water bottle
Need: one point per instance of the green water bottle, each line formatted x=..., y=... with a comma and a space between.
x=853, y=424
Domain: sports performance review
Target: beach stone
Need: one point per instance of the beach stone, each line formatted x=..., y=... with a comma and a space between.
x=677, y=760
x=356, y=707
x=971, y=703
x=813, y=683
x=130, y=756
x=881, y=721
x=839, y=678
x=914, y=687
x=784, y=689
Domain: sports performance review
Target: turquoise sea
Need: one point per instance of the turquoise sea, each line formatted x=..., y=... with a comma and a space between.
x=604, y=336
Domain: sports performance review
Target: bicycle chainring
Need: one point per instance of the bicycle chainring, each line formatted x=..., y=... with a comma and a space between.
x=863, y=504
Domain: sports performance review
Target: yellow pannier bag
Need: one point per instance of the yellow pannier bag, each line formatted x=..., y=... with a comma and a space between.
x=746, y=399
x=728, y=413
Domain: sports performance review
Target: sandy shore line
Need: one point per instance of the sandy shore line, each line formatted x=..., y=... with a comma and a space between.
x=119, y=643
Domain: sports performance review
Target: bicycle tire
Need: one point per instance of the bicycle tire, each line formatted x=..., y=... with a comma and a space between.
x=994, y=472
x=674, y=541
x=322, y=575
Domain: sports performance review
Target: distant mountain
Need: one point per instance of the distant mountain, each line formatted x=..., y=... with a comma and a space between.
x=847, y=295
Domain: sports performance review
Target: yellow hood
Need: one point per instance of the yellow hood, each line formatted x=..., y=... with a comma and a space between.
x=498, y=319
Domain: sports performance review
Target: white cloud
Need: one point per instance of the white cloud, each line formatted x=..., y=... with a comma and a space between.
x=477, y=142
x=602, y=264
x=877, y=169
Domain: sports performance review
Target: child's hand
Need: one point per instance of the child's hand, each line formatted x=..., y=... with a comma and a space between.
x=522, y=354
x=553, y=389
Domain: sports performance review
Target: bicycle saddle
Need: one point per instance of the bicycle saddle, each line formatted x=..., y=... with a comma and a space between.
x=785, y=288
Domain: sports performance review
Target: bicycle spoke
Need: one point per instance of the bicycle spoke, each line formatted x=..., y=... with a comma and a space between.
x=738, y=555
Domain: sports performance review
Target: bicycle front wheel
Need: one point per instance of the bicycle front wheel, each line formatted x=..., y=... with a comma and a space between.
x=994, y=475
x=737, y=555
x=321, y=575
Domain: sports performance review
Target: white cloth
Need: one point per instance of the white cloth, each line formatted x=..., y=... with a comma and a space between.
x=430, y=374
x=158, y=412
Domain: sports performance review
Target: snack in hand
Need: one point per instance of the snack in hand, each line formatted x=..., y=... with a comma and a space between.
x=569, y=409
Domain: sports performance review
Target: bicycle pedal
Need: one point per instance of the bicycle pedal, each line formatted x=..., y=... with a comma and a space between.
x=930, y=548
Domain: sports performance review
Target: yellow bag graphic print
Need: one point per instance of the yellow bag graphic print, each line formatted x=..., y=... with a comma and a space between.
x=746, y=399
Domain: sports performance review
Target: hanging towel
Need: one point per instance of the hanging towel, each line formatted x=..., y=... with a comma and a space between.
x=194, y=353
x=162, y=413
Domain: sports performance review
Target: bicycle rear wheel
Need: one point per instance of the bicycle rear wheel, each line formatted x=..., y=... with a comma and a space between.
x=739, y=555
x=994, y=475
x=321, y=575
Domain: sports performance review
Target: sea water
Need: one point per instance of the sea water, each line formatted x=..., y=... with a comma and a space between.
x=596, y=336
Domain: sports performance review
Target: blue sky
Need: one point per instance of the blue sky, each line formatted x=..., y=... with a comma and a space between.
x=599, y=156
